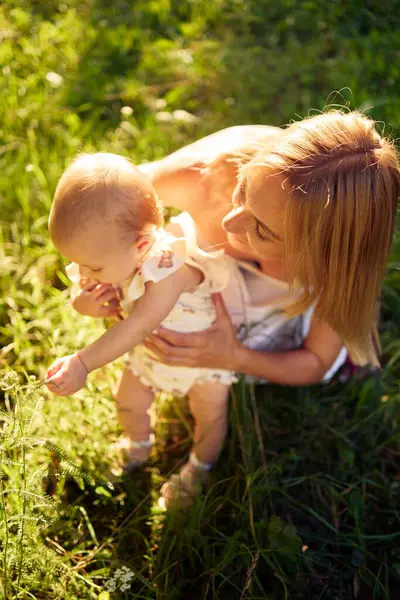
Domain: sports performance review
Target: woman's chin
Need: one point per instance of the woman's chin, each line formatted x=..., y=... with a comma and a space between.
x=241, y=246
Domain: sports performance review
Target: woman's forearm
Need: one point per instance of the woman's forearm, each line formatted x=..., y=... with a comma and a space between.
x=294, y=367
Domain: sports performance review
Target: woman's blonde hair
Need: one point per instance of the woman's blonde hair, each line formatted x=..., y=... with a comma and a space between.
x=344, y=182
x=103, y=188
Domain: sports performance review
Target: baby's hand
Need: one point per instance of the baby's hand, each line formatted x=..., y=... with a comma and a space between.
x=66, y=375
x=96, y=299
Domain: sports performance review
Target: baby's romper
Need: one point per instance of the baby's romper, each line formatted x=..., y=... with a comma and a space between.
x=194, y=311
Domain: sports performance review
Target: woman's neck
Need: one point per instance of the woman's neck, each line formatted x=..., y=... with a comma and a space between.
x=272, y=269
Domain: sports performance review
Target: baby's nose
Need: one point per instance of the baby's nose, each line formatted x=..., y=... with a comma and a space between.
x=84, y=271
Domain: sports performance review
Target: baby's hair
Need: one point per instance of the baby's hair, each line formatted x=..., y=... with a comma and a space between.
x=344, y=182
x=103, y=188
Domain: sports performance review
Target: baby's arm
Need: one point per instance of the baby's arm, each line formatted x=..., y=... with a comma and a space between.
x=68, y=374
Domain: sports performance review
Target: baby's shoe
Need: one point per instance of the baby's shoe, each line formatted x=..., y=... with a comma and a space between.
x=134, y=453
x=182, y=488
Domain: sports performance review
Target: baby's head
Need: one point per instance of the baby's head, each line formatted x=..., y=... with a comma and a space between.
x=103, y=214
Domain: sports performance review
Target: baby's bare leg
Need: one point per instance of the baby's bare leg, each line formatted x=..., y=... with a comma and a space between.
x=208, y=403
x=133, y=403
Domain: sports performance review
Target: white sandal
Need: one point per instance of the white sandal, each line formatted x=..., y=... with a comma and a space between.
x=128, y=447
x=182, y=488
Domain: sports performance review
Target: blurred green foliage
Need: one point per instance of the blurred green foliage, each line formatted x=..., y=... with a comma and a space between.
x=142, y=78
x=225, y=61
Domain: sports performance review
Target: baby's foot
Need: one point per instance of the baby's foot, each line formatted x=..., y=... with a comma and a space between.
x=134, y=453
x=182, y=488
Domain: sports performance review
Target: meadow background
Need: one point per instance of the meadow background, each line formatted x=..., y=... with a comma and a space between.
x=305, y=498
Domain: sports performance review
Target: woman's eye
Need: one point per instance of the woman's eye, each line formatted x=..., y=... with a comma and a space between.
x=261, y=233
x=96, y=270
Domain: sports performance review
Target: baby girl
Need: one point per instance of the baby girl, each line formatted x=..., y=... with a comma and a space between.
x=107, y=220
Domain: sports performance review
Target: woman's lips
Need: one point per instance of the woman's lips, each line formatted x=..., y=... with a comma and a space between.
x=239, y=239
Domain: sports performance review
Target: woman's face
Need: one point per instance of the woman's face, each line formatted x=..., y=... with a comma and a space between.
x=255, y=224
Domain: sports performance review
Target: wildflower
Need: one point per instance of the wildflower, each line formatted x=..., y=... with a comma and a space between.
x=9, y=381
x=121, y=579
x=54, y=79
x=164, y=117
x=126, y=111
x=185, y=56
x=160, y=103
x=184, y=116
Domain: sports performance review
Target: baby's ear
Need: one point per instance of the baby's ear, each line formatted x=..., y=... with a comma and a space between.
x=143, y=240
x=140, y=244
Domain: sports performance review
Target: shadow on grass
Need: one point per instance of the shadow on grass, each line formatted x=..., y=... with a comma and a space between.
x=302, y=504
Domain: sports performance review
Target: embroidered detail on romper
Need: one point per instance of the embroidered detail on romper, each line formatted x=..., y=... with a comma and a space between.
x=165, y=261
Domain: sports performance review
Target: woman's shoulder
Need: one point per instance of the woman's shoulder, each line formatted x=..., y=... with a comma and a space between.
x=226, y=141
x=179, y=177
x=202, y=151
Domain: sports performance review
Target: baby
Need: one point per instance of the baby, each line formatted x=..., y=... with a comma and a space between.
x=107, y=220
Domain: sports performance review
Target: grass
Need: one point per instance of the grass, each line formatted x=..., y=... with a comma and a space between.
x=304, y=500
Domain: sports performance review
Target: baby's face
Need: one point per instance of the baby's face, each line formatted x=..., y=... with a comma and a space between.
x=104, y=257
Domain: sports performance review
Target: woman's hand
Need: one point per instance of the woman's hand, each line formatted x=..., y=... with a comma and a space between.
x=212, y=348
x=66, y=375
x=96, y=299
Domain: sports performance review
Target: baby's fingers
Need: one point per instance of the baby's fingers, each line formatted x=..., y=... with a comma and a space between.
x=54, y=368
x=88, y=285
x=112, y=309
x=106, y=296
x=104, y=289
x=59, y=383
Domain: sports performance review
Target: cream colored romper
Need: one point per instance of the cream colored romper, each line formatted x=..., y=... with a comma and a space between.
x=194, y=311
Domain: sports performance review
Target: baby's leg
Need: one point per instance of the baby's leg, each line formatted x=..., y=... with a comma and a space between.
x=208, y=404
x=133, y=403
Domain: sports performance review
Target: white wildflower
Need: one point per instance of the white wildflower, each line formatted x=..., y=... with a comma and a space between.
x=111, y=585
x=129, y=128
x=164, y=117
x=54, y=79
x=126, y=111
x=29, y=168
x=184, y=116
x=185, y=56
x=121, y=579
x=9, y=381
x=160, y=103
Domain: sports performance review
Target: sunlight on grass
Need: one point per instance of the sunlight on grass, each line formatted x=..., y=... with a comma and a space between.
x=303, y=503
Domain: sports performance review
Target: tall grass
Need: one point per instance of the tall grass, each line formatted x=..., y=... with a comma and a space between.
x=304, y=500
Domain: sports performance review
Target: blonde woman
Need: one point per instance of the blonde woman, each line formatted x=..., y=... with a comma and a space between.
x=308, y=212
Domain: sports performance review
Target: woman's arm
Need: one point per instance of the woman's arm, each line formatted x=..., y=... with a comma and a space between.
x=67, y=375
x=218, y=347
x=304, y=366
x=177, y=178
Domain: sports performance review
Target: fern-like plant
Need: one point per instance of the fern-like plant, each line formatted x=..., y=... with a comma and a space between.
x=27, y=564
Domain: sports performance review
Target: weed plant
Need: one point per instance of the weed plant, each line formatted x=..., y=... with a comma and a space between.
x=304, y=500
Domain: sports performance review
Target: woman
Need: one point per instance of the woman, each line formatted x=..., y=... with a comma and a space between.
x=308, y=213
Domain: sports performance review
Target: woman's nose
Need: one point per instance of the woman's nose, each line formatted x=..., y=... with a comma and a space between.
x=236, y=221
